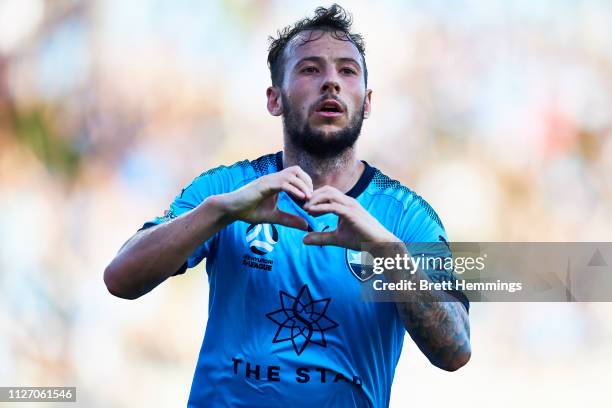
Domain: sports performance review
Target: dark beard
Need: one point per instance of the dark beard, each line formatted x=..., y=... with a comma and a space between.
x=315, y=142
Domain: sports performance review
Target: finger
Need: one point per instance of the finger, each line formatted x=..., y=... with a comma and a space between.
x=289, y=220
x=291, y=189
x=326, y=208
x=295, y=172
x=328, y=194
x=305, y=177
x=299, y=183
x=320, y=238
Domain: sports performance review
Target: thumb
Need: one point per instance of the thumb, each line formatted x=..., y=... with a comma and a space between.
x=289, y=220
x=320, y=238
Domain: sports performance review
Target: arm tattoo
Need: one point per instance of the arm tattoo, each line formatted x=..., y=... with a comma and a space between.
x=436, y=320
x=438, y=324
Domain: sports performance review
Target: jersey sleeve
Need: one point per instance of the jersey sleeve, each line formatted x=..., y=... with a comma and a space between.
x=215, y=181
x=424, y=234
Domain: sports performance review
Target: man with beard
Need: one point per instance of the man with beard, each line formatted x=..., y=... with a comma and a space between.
x=287, y=325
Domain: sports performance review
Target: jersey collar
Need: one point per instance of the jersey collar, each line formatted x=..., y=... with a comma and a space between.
x=355, y=191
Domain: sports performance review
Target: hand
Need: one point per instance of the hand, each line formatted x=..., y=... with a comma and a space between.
x=256, y=202
x=355, y=225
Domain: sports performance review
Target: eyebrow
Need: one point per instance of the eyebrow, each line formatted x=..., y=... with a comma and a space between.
x=321, y=59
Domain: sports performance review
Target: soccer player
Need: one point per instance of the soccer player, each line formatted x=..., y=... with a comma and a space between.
x=287, y=325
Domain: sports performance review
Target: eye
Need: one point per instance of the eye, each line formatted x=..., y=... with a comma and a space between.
x=309, y=70
x=348, y=71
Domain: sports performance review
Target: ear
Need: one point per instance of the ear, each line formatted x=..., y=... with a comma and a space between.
x=275, y=102
x=367, y=107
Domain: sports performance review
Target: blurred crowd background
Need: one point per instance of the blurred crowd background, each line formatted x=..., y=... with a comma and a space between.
x=498, y=113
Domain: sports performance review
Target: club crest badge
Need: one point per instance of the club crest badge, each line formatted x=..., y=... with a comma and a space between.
x=360, y=264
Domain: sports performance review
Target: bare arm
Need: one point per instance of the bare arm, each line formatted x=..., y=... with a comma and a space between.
x=436, y=321
x=154, y=254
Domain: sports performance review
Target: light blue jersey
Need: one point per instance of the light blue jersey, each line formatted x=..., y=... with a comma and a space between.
x=286, y=323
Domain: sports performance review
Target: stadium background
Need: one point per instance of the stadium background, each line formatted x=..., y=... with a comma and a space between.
x=498, y=113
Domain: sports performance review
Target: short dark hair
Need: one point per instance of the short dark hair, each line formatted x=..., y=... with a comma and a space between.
x=334, y=20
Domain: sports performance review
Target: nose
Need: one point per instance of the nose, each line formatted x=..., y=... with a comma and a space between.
x=330, y=85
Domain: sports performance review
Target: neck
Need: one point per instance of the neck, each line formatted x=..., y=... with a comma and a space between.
x=341, y=171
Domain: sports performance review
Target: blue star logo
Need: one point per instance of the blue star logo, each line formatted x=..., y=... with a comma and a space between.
x=301, y=320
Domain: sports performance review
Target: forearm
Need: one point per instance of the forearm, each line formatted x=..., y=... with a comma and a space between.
x=154, y=254
x=437, y=322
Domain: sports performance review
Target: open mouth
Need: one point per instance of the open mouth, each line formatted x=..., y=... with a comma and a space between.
x=330, y=108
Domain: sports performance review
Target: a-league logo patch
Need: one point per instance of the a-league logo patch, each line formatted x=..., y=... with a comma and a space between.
x=261, y=238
